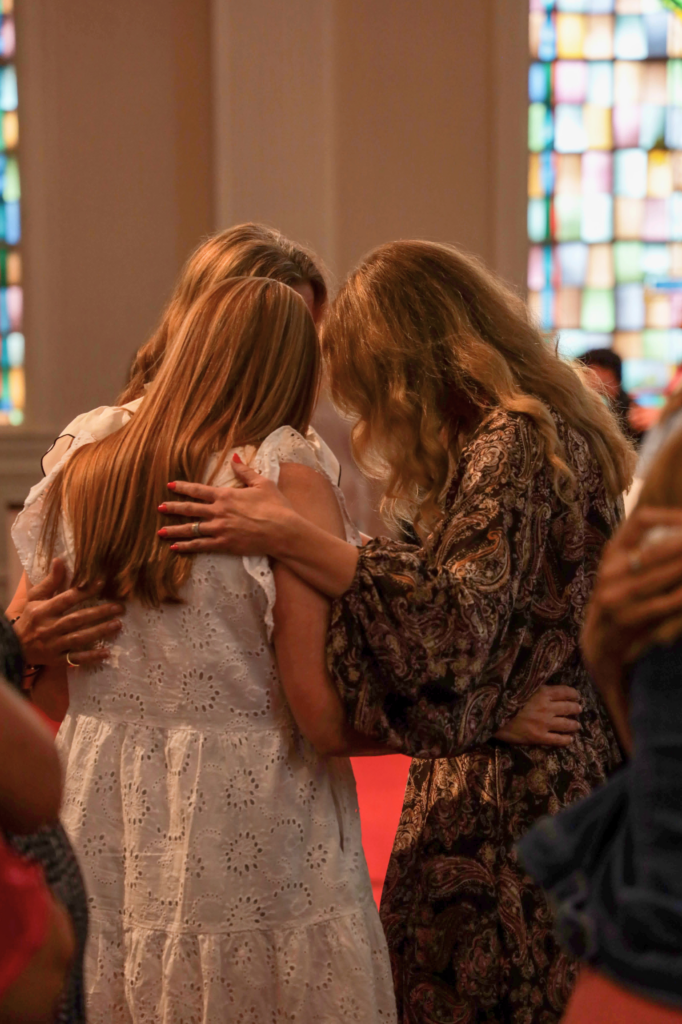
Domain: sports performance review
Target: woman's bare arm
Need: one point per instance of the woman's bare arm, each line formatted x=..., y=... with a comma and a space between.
x=260, y=519
x=50, y=621
x=30, y=774
x=51, y=624
x=301, y=619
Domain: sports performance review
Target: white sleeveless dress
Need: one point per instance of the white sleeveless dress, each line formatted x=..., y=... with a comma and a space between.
x=222, y=854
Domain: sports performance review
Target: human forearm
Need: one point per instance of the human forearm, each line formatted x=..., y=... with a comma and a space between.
x=259, y=520
x=323, y=561
x=30, y=775
x=50, y=691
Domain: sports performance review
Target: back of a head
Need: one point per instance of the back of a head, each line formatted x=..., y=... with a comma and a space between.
x=422, y=338
x=606, y=359
x=244, y=361
x=246, y=250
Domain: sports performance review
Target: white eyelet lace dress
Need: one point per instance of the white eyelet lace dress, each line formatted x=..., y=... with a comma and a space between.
x=222, y=855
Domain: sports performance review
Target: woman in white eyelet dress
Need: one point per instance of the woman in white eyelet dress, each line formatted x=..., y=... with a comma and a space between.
x=244, y=895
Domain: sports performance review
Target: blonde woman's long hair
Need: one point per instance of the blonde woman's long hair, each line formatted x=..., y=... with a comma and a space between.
x=246, y=250
x=420, y=342
x=244, y=361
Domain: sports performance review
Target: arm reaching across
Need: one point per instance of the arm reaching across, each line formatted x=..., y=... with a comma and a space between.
x=49, y=625
x=301, y=619
x=49, y=622
x=261, y=518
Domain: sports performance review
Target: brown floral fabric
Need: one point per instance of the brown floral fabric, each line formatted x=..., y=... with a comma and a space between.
x=433, y=649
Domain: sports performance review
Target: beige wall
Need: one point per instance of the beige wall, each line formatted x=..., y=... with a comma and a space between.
x=347, y=122
x=145, y=123
x=115, y=107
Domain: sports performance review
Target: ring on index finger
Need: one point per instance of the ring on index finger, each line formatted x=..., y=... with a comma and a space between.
x=196, y=529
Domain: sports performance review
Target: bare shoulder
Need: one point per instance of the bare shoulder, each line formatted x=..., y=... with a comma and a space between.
x=312, y=495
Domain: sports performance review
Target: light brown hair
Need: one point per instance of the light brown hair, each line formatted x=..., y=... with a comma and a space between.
x=244, y=361
x=420, y=342
x=247, y=250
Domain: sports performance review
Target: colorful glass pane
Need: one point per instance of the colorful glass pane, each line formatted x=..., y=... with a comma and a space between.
x=539, y=82
x=598, y=44
x=570, y=35
x=567, y=215
x=630, y=42
x=600, y=83
x=570, y=81
x=12, y=388
x=604, y=182
x=570, y=134
x=630, y=307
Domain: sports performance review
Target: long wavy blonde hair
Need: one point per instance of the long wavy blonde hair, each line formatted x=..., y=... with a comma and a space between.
x=420, y=342
x=244, y=361
x=246, y=250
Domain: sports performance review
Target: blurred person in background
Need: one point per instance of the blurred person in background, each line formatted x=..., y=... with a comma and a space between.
x=669, y=423
x=606, y=376
x=612, y=864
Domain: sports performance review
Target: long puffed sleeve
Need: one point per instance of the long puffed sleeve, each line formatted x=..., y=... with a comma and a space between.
x=427, y=647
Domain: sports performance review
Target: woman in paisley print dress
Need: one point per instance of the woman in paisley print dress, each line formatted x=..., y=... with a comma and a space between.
x=511, y=470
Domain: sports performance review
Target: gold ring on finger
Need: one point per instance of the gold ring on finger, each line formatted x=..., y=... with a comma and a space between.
x=196, y=529
x=73, y=664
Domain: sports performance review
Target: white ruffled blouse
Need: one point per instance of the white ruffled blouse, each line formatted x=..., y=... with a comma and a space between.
x=222, y=854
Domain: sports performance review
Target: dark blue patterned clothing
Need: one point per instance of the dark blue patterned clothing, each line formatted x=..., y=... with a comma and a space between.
x=613, y=862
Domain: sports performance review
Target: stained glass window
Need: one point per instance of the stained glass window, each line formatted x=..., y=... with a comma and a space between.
x=11, y=293
x=605, y=182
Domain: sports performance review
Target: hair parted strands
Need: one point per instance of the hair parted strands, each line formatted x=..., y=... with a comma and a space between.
x=421, y=342
x=247, y=250
x=244, y=361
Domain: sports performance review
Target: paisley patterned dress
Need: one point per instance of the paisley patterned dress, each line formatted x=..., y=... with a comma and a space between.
x=434, y=649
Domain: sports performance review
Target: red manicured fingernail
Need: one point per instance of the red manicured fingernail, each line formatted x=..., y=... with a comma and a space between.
x=172, y=486
x=162, y=507
x=235, y=458
x=174, y=547
x=163, y=532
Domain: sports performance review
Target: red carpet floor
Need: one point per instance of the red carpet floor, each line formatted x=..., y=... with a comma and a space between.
x=381, y=786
